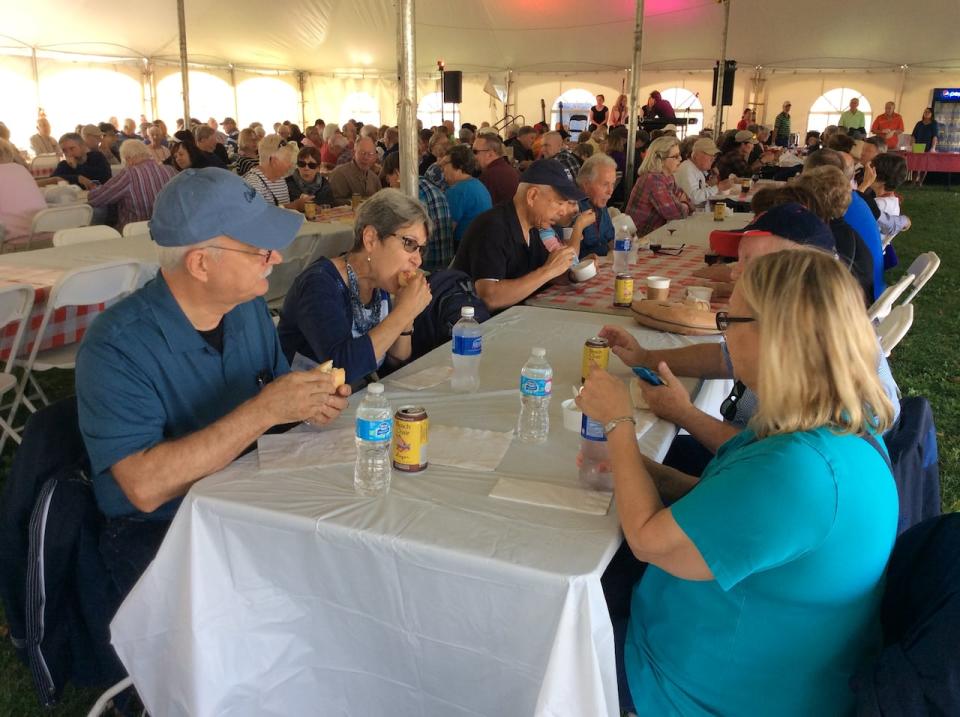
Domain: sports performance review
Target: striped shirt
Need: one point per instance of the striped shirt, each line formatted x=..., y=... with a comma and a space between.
x=440, y=249
x=245, y=164
x=274, y=191
x=133, y=190
x=781, y=129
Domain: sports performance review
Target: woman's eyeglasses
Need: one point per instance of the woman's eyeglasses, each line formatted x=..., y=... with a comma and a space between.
x=411, y=245
x=307, y=165
x=724, y=320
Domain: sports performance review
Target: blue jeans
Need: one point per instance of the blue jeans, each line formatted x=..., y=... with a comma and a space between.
x=128, y=545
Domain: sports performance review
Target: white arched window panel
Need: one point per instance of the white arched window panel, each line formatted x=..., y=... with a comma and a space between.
x=362, y=107
x=210, y=96
x=576, y=101
x=686, y=104
x=266, y=100
x=89, y=95
x=827, y=108
x=428, y=111
x=20, y=108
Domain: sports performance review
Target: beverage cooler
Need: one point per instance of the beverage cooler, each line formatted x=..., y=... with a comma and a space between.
x=946, y=111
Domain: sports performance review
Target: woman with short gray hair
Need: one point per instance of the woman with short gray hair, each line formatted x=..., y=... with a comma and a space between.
x=341, y=309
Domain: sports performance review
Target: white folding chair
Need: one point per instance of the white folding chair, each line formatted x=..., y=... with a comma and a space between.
x=105, y=699
x=16, y=303
x=137, y=229
x=893, y=328
x=54, y=218
x=86, y=285
x=44, y=164
x=923, y=268
x=884, y=303
x=82, y=235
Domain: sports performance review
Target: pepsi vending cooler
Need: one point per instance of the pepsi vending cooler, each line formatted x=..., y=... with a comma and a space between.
x=946, y=111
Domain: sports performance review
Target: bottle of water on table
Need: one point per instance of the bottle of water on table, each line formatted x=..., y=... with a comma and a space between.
x=536, y=385
x=371, y=474
x=594, y=458
x=467, y=346
x=621, y=252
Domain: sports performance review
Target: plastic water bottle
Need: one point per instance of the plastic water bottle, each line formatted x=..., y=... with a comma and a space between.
x=371, y=474
x=594, y=458
x=621, y=251
x=467, y=345
x=536, y=385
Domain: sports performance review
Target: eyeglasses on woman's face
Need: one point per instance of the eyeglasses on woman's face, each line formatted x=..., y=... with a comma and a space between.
x=307, y=165
x=410, y=245
x=724, y=320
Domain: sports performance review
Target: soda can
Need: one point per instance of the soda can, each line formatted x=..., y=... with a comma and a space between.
x=410, y=437
x=719, y=211
x=595, y=350
x=623, y=291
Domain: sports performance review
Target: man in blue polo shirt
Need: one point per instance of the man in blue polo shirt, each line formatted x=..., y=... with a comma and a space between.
x=176, y=380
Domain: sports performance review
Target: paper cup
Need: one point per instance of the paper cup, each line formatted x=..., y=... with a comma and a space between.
x=584, y=270
x=567, y=233
x=658, y=288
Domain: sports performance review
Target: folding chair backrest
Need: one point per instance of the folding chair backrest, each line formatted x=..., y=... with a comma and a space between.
x=44, y=164
x=54, y=218
x=884, y=303
x=137, y=229
x=893, y=328
x=923, y=268
x=82, y=235
x=16, y=303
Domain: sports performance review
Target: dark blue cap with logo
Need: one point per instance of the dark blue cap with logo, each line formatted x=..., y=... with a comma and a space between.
x=551, y=173
x=795, y=223
x=200, y=204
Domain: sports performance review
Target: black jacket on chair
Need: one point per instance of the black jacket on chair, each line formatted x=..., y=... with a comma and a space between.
x=57, y=594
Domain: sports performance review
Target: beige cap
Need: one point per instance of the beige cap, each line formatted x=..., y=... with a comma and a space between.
x=91, y=130
x=706, y=145
x=744, y=136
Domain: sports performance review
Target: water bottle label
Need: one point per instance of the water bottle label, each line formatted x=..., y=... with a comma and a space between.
x=540, y=387
x=591, y=430
x=622, y=244
x=374, y=430
x=467, y=345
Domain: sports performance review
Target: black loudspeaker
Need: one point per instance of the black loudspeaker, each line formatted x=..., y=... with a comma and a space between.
x=453, y=86
x=728, y=77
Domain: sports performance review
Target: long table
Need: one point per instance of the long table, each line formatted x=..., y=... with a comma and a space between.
x=286, y=593
x=42, y=268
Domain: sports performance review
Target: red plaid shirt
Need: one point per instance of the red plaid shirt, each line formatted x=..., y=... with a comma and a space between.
x=655, y=200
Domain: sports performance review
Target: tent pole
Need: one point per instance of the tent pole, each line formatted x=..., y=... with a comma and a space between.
x=634, y=116
x=721, y=71
x=184, y=74
x=408, y=100
x=233, y=87
x=35, y=64
x=301, y=79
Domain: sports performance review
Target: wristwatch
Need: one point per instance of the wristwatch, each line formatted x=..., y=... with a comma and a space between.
x=616, y=421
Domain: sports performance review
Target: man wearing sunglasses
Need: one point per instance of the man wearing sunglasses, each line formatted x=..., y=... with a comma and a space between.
x=179, y=378
x=502, y=251
x=357, y=176
x=782, y=228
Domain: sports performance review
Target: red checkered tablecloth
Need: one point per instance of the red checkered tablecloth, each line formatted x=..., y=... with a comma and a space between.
x=596, y=295
x=67, y=325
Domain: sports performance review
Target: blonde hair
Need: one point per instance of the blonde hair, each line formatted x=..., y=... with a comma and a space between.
x=817, y=351
x=135, y=150
x=656, y=153
x=271, y=146
x=831, y=188
x=8, y=153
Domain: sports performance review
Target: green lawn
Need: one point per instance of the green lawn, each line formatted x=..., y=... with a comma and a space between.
x=926, y=363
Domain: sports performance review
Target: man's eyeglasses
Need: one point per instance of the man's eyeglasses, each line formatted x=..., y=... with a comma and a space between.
x=307, y=165
x=265, y=254
x=724, y=320
x=366, y=154
x=411, y=245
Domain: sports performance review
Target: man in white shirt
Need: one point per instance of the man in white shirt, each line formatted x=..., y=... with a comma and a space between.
x=693, y=175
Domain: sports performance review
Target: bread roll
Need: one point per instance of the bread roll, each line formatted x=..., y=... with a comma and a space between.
x=406, y=277
x=339, y=375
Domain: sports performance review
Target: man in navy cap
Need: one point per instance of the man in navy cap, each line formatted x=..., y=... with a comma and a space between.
x=781, y=228
x=176, y=380
x=502, y=250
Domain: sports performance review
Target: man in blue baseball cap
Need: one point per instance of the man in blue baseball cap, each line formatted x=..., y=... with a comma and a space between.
x=177, y=379
x=502, y=250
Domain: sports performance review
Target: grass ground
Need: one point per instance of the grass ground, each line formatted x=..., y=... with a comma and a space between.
x=927, y=363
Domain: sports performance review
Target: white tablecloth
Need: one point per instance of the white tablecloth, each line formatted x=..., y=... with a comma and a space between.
x=695, y=229
x=286, y=594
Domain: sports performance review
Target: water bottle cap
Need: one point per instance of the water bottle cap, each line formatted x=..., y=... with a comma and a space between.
x=375, y=388
x=466, y=312
x=538, y=351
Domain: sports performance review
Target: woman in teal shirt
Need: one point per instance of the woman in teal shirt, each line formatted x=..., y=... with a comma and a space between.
x=766, y=574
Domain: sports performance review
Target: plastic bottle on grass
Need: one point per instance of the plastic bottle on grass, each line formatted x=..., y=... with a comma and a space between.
x=371, y=474
x=536, y=385
x=467, y=347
